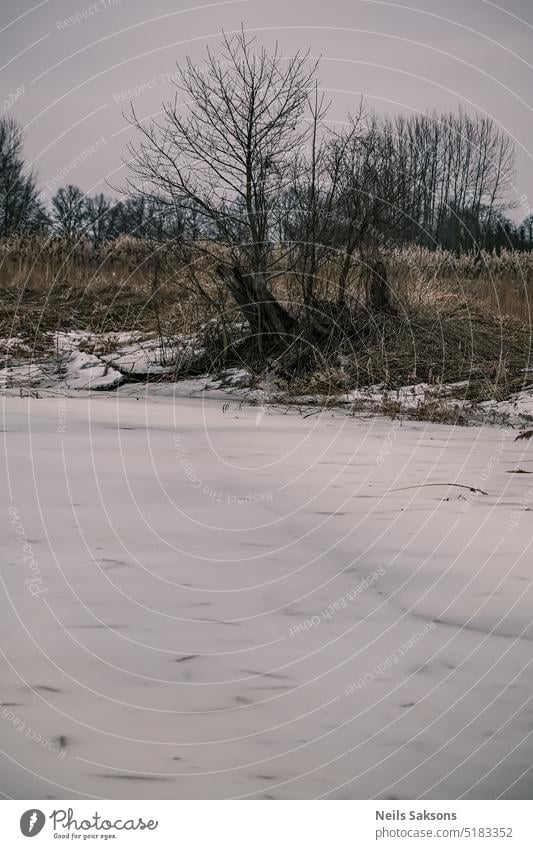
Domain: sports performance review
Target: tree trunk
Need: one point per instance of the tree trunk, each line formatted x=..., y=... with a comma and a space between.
x=377, y=287
x=270, y=323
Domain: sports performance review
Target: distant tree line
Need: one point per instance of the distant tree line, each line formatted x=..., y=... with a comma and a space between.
x=439, y=180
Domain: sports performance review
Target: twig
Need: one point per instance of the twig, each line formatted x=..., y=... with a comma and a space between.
x=462, y=486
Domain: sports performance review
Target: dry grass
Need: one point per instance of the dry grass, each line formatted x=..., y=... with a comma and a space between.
x=502, y=285
x=456, y=318
x=46, y=286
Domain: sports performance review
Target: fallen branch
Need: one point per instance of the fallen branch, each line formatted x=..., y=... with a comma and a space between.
x=460, y=485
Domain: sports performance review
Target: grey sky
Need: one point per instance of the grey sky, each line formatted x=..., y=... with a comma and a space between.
x=73, y=78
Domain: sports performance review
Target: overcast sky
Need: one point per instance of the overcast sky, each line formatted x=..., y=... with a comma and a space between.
x=68, y=81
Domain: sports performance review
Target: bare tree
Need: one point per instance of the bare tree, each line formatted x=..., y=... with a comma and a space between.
x=99, y=218
x=456, y=171
x=20, y=209
x=308, y=215
x=225, y=156
x=527, y=226
x=69, y=212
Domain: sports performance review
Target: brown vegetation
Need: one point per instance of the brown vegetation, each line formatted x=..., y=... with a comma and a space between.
x=452, y=319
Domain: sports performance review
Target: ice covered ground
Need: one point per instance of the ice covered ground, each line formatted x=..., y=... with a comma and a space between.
x=83, y=361
x=210, y=602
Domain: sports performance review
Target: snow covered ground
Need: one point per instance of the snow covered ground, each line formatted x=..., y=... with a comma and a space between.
x=210, y=602
x=84, y=361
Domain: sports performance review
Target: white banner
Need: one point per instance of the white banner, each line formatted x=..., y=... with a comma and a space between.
x=251, y=825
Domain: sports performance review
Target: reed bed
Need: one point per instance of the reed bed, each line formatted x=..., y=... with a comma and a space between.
x=455, y=318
